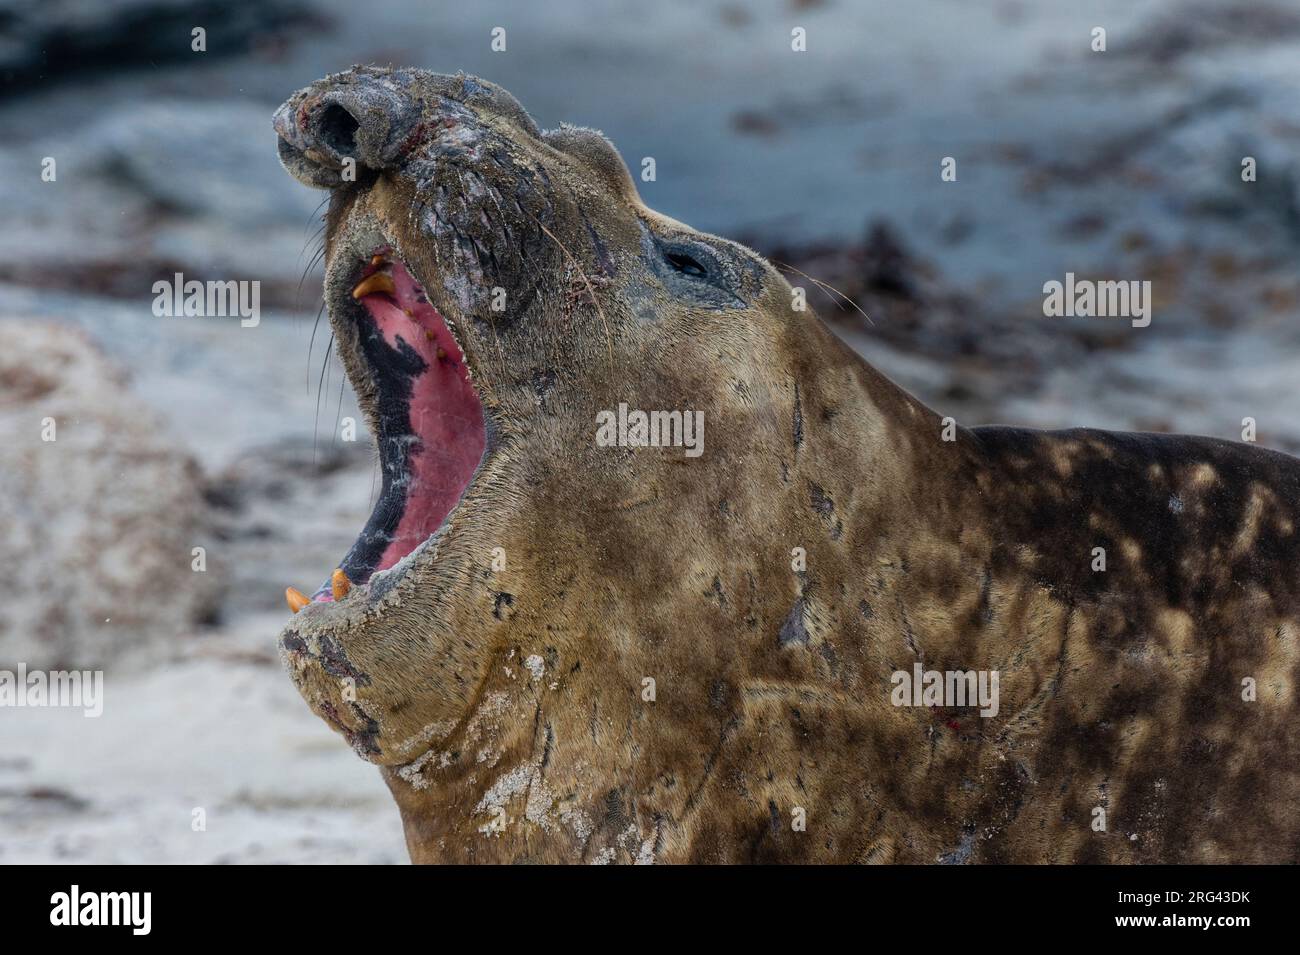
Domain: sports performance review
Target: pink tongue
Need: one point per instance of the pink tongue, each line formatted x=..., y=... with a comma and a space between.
x=445, y=412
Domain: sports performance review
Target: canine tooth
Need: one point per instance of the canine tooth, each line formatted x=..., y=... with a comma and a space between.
x=375, y=282
x=297, y=599
x=378, y=260
x=339, y=584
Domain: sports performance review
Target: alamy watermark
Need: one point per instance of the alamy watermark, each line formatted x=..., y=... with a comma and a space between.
x=82, y=689
x=1098, y=299
x=75, y=907
x=626, y=428
x=946, y=688
x=178, y=298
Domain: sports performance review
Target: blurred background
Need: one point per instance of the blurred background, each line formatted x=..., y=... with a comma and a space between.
x=180, y=433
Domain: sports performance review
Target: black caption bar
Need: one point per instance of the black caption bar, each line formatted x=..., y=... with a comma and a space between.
x=338, y=905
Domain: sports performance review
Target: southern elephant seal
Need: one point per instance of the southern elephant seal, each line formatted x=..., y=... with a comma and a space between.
x=663, y=571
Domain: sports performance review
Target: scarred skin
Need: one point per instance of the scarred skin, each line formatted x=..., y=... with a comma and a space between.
x=507, y=706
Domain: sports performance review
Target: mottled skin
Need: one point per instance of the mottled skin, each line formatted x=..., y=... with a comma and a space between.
x=506, y=706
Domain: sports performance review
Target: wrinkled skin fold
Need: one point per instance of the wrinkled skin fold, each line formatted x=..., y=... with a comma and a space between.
x=622, y=654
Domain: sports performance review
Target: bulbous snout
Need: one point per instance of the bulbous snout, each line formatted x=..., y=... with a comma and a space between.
x=369, y=119
x=344, y=123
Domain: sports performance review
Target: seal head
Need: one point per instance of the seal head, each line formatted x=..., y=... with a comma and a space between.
x=492, y=288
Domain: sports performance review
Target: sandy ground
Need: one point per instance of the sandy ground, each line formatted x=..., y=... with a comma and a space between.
x=1122, y=165
x=209, y=721
x=215, y=731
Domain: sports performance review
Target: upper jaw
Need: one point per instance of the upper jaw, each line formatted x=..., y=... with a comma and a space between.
x=351, y=241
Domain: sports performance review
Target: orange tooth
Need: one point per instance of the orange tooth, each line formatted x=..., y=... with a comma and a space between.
x=339, y=584
x=375, y=282
x=378, y=260
x=297, y=599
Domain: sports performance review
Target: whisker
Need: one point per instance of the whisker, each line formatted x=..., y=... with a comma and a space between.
x=314, y=217
x=315, y=260
x=609, y=339
x=824, y=286
x=319, y=312
x=338, y=414
x=315, y=428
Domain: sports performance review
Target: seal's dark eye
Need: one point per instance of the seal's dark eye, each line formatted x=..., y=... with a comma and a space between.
x=693, y=269
x=685, y=264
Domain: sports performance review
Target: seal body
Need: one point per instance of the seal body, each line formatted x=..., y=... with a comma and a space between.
x=744, y=651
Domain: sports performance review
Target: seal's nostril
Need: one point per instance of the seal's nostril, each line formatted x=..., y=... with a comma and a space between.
x=337, y=129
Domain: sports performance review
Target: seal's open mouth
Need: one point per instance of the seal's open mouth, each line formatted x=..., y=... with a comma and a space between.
x=429, y=420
